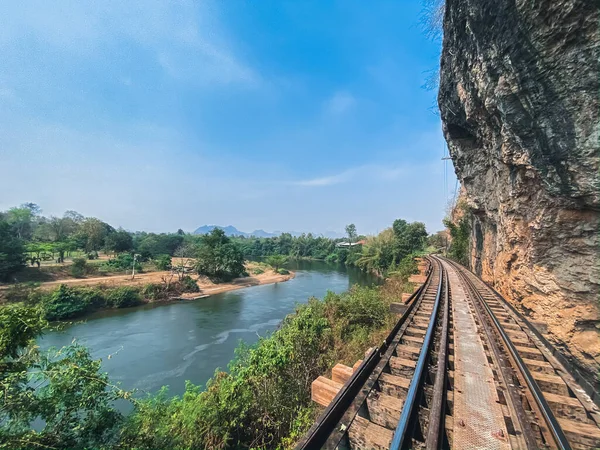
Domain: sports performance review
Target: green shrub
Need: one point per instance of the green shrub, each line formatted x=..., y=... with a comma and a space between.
x=123, y=297
x=163, y=262
x=283, y=272
x=153, y=291
x=123, y=261
x=188, y=284
x=64, y=303
x=79, y=267
x=331, y=258
x=94, y=297
x=257, y=271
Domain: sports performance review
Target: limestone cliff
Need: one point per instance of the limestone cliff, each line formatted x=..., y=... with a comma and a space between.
x=519, y=100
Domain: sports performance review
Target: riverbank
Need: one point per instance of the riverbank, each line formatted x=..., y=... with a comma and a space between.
x=208, y=288
x=142, y=279
x=76, y=298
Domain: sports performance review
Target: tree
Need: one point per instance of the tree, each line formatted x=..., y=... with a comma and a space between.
x=409, y=238
x=276, y=261
x=12, y=252
x=218, y=257
x=62, y=390
x=20, y=220
x=460, y=233
x=351, y=232
x=118, y=242
x=94, y=232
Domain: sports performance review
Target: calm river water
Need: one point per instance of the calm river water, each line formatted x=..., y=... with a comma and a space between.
x=156, y=345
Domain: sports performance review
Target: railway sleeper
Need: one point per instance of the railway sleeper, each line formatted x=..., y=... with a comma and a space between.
x=408, y=351
x=393, y=385
x=535, y=365
x=416, y=332
x=366, y=435
x=551, y=383
x=581, y=435
x=514, y=334
x=530, y=353
x=384, y=410
x=402, y=367
x=411, y=340
x=567, y=407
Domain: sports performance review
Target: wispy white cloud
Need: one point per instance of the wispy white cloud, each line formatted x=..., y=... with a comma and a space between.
x=339, y=103
x=187, y=38
x=327, y=180
x=367, y=172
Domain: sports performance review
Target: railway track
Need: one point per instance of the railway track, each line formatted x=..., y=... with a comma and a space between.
x=461, y=369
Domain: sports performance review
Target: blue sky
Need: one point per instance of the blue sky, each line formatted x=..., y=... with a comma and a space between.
x=281, y=115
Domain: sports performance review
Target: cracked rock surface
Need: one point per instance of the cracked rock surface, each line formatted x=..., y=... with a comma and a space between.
x=519, y=100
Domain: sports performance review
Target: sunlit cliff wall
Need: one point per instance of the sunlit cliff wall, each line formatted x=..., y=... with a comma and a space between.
x=519, y=100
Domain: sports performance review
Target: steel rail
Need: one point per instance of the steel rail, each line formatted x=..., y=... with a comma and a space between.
x=406, y=417
x=548, y=416
x=437, y=411
x=590, y=388
x=326, y=424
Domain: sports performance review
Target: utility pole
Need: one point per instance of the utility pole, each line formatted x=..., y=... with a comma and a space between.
x=133, y=266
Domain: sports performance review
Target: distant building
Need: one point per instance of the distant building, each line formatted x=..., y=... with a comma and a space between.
x=350, y=244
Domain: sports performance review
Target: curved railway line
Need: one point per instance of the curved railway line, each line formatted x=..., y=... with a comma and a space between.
x=460, y=369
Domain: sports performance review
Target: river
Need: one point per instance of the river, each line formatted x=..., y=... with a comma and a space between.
x=155, y=345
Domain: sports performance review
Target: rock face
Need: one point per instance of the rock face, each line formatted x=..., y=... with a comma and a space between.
x=519, y=100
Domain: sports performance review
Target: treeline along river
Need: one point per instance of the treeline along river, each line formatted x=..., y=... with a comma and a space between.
x=150, y=346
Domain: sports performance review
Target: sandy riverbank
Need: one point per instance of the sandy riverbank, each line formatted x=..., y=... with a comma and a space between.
x=206, y=286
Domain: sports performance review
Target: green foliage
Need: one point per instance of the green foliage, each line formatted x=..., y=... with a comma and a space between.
x=386, y=252
x=63, y=391
x=407, y=267
x=351, y=232
x=123, y=261
x=257, y=271
x=283, y=271
x=123, y=297
x=151, y=245
x=20, y=326
x=79, y=267
x=118, y=242
x=303, y=246
x=188, y=284
x=64, y=303
x=460, y=232
x=12, y=252
x=218, y=257
x=276, y=261
x=409, y=238
x=163, y=262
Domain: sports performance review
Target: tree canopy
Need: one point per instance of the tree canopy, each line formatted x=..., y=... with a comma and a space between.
x=218, y=257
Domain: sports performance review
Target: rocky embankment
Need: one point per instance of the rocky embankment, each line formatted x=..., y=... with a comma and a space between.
x=519, y=100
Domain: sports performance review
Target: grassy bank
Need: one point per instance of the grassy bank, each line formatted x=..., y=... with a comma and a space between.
x=70, y=302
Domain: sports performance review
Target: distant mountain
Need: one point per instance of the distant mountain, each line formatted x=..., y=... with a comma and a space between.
x=230, y=230
x=263, y=234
